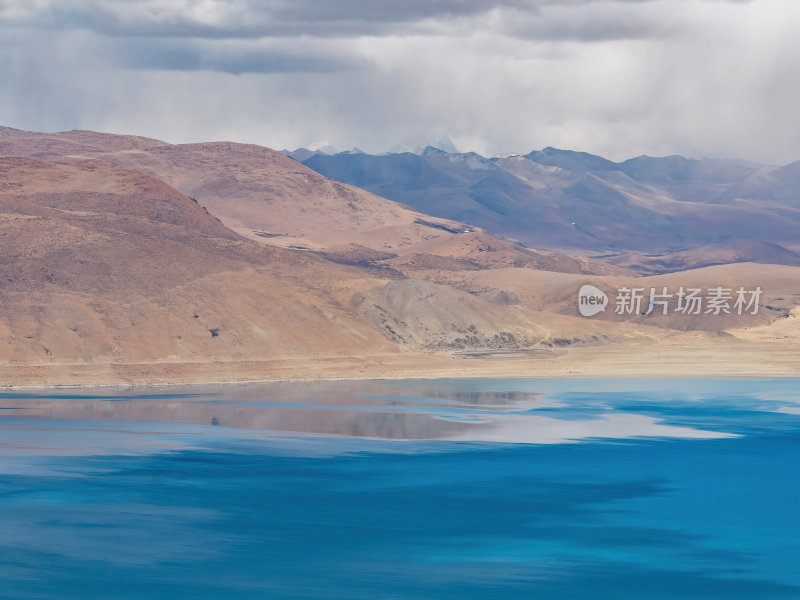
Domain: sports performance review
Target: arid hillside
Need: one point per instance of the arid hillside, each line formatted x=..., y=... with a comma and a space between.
x=717, y=254
x=101, y=263
x=125, y=259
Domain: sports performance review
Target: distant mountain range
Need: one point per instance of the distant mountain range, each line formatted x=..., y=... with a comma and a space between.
x=565, y=200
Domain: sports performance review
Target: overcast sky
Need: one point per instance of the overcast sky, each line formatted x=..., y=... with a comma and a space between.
x=716, y=78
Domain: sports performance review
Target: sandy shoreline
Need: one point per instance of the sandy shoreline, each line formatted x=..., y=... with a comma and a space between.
x=766, y=360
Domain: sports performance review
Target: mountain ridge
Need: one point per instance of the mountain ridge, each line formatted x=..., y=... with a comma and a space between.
x=130, y=260
x=579, y=202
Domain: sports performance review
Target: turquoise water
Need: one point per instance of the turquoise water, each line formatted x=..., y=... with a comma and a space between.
x=569, y=489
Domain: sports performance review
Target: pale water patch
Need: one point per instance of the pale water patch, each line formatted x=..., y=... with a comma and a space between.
x=532, y=429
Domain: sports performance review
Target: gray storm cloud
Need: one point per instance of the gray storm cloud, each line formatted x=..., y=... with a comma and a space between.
x=694, y=77
x=257, y=18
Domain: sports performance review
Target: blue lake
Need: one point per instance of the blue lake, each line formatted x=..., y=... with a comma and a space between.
x=505, y=488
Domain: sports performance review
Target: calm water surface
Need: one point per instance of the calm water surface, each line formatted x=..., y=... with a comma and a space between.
x=513, y=488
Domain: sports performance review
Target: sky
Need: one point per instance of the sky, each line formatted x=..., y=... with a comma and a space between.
x=619, y=78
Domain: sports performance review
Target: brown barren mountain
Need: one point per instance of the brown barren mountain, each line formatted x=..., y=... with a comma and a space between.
x=717, y=254
x=110, y=272
x=101, y=263
x=268, y=197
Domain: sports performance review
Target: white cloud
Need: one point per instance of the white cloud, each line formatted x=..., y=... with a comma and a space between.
x=694, y=77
